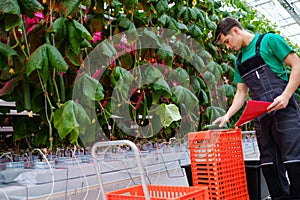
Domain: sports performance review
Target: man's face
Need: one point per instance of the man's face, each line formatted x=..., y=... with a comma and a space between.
x=231, y=41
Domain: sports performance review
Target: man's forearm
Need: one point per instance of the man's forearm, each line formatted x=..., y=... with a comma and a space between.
x=294, y=80
x=237, y=103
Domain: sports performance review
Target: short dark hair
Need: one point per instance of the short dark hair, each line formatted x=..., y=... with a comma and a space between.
x=225, y=26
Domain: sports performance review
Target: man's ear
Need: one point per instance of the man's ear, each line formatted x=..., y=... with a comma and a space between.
x=236, y=30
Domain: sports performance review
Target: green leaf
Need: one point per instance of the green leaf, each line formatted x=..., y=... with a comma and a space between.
x=173, y=24
x=182, y=26
x=196, y=84
x=55, y=59
x=20, y=129
x=186, y=17
x=71, y=118
x=121, y=73
x=41, y=137
x=201, y=16
x=209, y=78
x=228, y=89
x=125, y=23
x=11, y=21
x=107, y=49
x=228, y=70
x=167, y=114
x=87, y=3
x=203, y=98
x=297, y=96
x=9, y=6
x=6, y=51
x=151, y=37
x=11, y=11
x=211, y=127
x=85, y=44
x=29, y=7
x=129, y=3
x=232, y=56
x=215, y=68
x=151, y=75
x=164, y=19
x=182, y=10
x=183, y=50
x=122, y=79
x=38, y=60
x=165, y=52
x=74, y=37
x=72, y=57
x=83, y=31
x=206, y=57
x=180, y=75
x=59, y=28
x=3, y=63
x=44, y=72
x=71, y=6
x=210, y=24
x=202, y=83
x=126, y=61
x=212, y=49
x=214, y=112
x=195, y=31
x=91, y=88
x=161, y=87
x=161, y=6
x=197, y=63
x=186, y=98
x=193, y=14
x=215, y=18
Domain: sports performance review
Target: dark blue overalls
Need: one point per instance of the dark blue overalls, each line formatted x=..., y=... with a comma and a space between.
x=278, y=132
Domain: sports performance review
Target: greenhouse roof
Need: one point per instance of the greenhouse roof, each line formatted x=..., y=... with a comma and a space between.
x=285, y=13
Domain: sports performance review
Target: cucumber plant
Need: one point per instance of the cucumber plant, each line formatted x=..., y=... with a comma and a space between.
x=43, y=46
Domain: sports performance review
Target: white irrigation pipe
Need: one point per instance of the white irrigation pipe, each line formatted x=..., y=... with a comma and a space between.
x=81, y=169
x=5, y=194
x=8, y=155
x=51, y=171
x=137, y=156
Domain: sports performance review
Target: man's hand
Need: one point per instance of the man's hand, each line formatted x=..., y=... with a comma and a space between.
x=222, y=120
x=279, y=102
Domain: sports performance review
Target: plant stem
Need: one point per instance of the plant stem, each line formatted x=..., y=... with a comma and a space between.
x=18, y=43
x=25, y=37
x=46, y=111
x=105, y=118
x=56, y=88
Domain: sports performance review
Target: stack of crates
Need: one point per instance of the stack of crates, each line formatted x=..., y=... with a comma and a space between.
x=160, y=192
x=217, y=161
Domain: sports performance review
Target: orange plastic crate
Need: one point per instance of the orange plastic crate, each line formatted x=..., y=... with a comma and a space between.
x=159, y=192
x=217, y=161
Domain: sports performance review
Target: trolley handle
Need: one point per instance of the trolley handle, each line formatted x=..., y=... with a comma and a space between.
x=138, y=160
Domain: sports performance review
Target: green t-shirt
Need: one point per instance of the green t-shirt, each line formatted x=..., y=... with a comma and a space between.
x=273, y=49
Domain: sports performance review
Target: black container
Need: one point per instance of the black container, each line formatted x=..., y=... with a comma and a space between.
x=188, y=172
x=257, y=187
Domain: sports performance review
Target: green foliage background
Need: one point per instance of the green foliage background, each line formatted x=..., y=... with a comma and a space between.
x=40, y=58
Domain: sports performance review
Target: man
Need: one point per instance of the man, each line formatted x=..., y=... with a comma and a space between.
x=260, y=69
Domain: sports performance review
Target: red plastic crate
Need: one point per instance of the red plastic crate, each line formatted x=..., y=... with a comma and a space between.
x=159, y=192
x=217, y=161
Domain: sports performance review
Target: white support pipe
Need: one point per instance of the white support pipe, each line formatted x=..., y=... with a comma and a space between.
x=138, y=160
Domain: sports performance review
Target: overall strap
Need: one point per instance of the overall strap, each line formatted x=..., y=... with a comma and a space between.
x=257, y=49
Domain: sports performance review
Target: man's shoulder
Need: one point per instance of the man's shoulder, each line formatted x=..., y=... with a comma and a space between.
x=273, y=39
x=272, y=36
